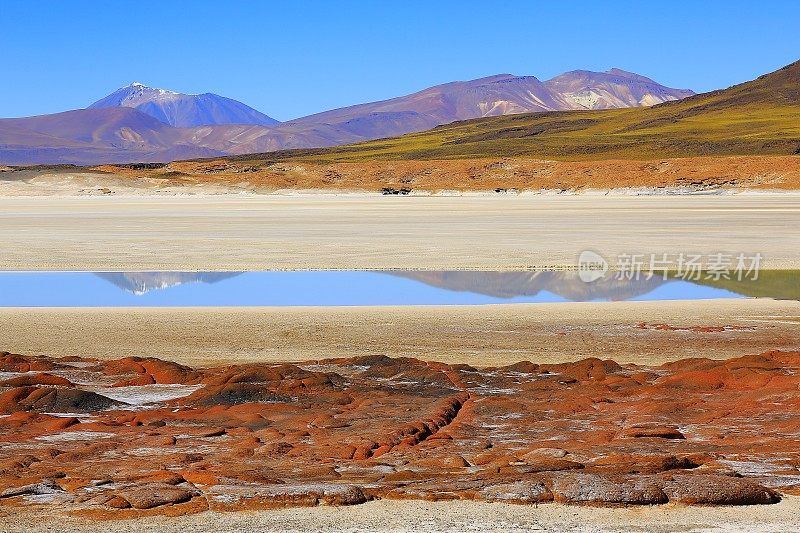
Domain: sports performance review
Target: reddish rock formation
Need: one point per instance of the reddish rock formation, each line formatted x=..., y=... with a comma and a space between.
x=36, y=379
x=343, y=431
x=151, y=495
x=52, y=399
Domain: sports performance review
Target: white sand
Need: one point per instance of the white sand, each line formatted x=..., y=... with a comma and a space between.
x=479, y=335
x=456, y=517
x=374, y=232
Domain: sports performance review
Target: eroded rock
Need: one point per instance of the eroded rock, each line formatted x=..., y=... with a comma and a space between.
x=595, y=489
x=717, y=490
x=342, y=431
x=149, y=495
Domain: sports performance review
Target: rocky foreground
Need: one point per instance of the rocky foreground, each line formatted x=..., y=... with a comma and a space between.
x=135, y=436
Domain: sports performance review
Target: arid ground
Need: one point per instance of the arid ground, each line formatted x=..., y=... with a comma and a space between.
x=495, y=175
x=175, y=417
x=405, y=516
x=138, y=437
x=513, y=406
x=375, y=232
x=636, y=332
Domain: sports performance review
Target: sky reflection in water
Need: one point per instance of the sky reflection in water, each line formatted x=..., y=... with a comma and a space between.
x=82, y=289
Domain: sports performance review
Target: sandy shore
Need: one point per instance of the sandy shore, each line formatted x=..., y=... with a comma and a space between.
x=478, y=335
x=456, y=516
x=374, y=232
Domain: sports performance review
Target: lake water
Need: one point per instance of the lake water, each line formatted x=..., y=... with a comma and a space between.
x=84, y=289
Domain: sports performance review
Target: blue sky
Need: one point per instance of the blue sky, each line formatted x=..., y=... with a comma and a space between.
x=289, y=59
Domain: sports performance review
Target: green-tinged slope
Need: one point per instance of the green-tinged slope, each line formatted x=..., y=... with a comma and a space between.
x=754, y=118
x=778, y=284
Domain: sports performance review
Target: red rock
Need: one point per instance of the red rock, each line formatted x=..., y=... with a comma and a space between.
x=339, y=452
x=274, y=448
x=717, y=490
x=200, y=477
x=549, y=464
x=14, y=464
x=52, y=400
x=364, y=451
x=517, y=492
x=158, y=371
x=231, y=394
x=118, y=502
x=210, y=432
x=162, y=476
x=284, y=435
x=493, y=457
x=328, y=422
x=652, y=431
x=538, y=453
x=621, y=463
x=36, y=379
x=594, y=489
x=138, y=381
x=18, y=363
x=590, y=368
x=59, y=423
x=154, y=495
x=446, y=462
x=47, y=486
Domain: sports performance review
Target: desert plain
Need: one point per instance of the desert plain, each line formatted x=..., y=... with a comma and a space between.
x=647, y=400
x=605, y=416
x=374, y=232
x=646, y=332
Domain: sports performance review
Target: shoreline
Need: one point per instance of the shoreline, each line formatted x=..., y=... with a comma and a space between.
x=499, y=333
x=479, y=176
x=200, y=191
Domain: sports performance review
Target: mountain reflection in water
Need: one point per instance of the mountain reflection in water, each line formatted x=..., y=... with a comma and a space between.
x=143, y=282
x=504, y=285
x=512, y=284
x=352, y=288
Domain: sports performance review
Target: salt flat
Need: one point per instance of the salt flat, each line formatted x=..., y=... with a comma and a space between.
x=484, y=335
x=351, y=231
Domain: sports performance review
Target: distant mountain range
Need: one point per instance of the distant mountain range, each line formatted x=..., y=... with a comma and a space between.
x=567, y=285
x=757, y=117
x=142, y=124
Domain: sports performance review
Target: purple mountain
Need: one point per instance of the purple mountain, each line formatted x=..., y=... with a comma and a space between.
x=139, y=123
x=184, y=110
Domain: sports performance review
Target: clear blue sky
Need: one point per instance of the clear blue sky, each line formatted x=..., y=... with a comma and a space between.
x=290, y=59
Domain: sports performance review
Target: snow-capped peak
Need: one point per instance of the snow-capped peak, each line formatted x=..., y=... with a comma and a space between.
x=183, y=110
x=141, y=88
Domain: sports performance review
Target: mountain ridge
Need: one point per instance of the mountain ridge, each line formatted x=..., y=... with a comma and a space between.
x=757, y=117
x=208, y=125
